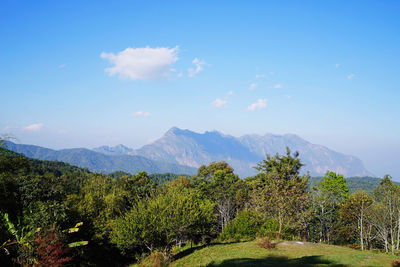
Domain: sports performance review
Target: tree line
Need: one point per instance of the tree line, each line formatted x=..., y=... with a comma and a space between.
x=59, y=215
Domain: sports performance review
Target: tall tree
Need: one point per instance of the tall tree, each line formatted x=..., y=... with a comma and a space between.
x=218, y=183
x=328, y=196
x=354, y=217
x=385, y=213
x=281, y=192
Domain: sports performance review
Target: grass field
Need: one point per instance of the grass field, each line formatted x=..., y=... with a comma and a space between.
x=285, y=254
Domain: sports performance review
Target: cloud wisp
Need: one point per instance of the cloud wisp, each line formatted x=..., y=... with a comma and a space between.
x=198, y=67
x=33, y=127
x=253, y=86
x=219, y=103
x=350, y=76
x=143, y=63
x=142, y=114
x=259, y=104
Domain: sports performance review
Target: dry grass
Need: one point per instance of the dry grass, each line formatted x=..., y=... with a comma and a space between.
x=266, y=243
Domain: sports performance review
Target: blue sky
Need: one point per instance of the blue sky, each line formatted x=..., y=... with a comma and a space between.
x=90, y=73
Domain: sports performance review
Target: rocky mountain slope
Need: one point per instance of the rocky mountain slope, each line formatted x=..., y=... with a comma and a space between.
x=193, y=149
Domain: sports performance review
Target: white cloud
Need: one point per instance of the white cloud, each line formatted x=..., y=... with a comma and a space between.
x=143, y=63
x=253, y=86
x=199, y=67
x=350, y=76
x=258, y=76
x=261, y=103
x=288, y=96
x=141, y=114
x=33, y=127
x=62, y=66
x=230, y=93
x=337, y=65
x=219, y=103
x=277, y=86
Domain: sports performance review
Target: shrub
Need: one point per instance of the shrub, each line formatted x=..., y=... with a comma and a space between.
x=396, y=263
x=155, y=259
x=51, y=249
x=266, y=243
x=270, y=229
x=246, y=225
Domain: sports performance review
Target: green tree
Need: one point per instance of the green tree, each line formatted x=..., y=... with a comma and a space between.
x=385, y=213
x=327, y=197
x=176, y=214
x=218, y=183
x=354, y=218
x=281, y=192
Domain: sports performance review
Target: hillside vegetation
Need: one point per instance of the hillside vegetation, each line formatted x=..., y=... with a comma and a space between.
x=55, y=214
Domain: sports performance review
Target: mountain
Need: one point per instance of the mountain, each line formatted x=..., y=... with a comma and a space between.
x=182, y=151
x=185, y=147
x=99, y=162
x=113, y=150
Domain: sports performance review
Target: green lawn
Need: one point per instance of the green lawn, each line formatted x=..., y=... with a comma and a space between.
x=285, y=254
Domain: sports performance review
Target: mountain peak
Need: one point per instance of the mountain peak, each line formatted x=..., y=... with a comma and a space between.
x=194, y=149
x=175, y=131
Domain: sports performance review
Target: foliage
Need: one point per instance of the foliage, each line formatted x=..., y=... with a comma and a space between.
x=280, y=192
x=327, y=197
x=246, y=225
x=127, y=217
x=51, y=249
x=175, y=215
x=218, y=183
x=270, y=229
x=353, y=218
x=162, y=178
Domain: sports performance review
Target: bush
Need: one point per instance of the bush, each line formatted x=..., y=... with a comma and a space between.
x=51, y=249
x=270, y=229
x=246, y=225
x=266, y=243
x=155, y=259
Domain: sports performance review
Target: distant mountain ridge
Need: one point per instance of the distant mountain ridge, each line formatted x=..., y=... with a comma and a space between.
x=99, y=162
x=183, y=151
x=193, y=149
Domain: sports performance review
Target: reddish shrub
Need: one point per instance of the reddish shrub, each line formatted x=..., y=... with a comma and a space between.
x=396, y=263
x=51, y=249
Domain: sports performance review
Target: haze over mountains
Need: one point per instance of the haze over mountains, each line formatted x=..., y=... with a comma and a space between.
x=183, y=151
x=100, y=162
x=188, y=148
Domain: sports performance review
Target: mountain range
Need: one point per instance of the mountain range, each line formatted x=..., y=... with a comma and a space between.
x=99, y=162
x=185, y=147
x=183, y=151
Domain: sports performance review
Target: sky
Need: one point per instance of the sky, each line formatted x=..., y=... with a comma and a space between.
x=92, y=73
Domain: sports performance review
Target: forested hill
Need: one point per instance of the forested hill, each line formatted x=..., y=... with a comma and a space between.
x=163, y=176
x=10, y=161
x=355, y=183
x=99, y=162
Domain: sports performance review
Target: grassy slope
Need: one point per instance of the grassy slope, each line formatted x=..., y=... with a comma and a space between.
x=249, y=254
